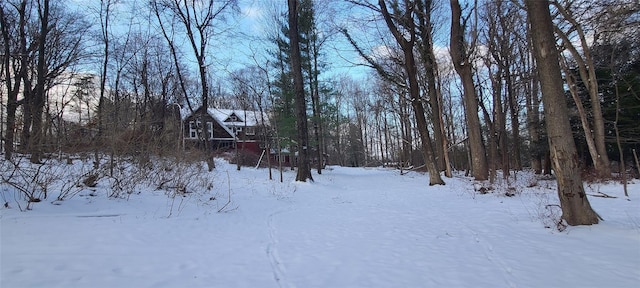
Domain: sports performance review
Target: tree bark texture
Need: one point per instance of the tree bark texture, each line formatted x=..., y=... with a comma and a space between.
x=576, y=209
x=39, y=93
x=304, y=169
x=463, y=68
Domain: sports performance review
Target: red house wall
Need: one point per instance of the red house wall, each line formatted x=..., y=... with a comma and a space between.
x=249, y=146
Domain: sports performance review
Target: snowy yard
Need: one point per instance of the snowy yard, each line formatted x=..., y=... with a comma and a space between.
x=353, y=227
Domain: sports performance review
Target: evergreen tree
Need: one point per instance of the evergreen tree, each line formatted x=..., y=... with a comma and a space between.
x=283, y=107
x=304, y=169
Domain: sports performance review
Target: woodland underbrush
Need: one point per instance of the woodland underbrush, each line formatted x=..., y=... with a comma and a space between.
x=61, y=177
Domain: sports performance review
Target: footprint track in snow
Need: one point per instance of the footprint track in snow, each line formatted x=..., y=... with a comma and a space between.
x=279, y=271
x=490, y=255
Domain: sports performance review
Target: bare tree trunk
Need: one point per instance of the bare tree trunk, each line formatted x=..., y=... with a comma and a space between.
x=576, y=209
x=13, y=86
x=586, y=127
x=515, y=122
x=493, y=124
x=623, y=169
x=635, y=157
x=315, y=99
x=414, y=89
x=104, y=24
x=445, y=141
x=533, y=124
x=304, y=171
x=504, y=44
x=380, y=132
x=39, y=93
x=462, y=66
x=405, y=125
x=500, y=122
x=430, y=65
x=587, y=72
x=27, y=110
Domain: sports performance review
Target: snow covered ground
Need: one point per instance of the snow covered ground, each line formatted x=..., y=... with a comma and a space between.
x=353, y=227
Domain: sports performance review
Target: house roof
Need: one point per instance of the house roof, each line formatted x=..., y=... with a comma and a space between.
x=224, y=117
x=242, y=117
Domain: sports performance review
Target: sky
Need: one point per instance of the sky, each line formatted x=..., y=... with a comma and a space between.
x=255, y=19
x=245, y=40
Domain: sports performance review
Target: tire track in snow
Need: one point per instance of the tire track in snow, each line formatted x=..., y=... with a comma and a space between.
x=279, y=271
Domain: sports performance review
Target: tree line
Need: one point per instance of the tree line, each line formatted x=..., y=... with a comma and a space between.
x=452, y=86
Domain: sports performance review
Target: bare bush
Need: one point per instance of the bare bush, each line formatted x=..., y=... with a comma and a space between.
x=34, y=182
x=180, y=176
x=124, y=177
x=121, y=177
x=549, y=214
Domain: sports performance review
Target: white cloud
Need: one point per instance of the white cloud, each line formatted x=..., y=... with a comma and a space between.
x=381, y=52
x=252, y=12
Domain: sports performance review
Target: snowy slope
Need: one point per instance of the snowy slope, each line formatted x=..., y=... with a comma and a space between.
x=353, y=227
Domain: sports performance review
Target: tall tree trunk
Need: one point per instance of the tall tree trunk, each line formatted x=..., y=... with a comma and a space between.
x=405, y=124
x=576, y=209
x=12, y=86
x=515, y=121
x=27, y=114
x=493, y=161
x=39, y=93
x=414, y=89
x=500, y=124
x=316, y=122
x=430, y=65
x=315, y=100
x=587, y=72
x=463, y=67
x=304, y=169
x=103, y=78
x=533, y=123
x=586, y=127
x=600, y=163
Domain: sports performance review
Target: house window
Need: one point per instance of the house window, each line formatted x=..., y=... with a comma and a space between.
x=250, y=131
x=193, y=129
x=233, y=118
x=236, y=130
x=210, y=129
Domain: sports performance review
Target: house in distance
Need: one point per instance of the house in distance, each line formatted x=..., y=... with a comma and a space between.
x=224, y=129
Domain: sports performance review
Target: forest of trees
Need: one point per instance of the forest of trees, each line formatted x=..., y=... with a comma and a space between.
x=488, y=87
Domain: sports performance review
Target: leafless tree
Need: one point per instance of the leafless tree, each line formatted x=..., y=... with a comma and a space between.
x=425, y=26
x=197, y=19
x=503, y=34
x=594, y=130
x=576, y=209
x=15, y=63
x=38, y=98
x=42, y=41
x=404, y=20
x=462, y=61
x=104, y=13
